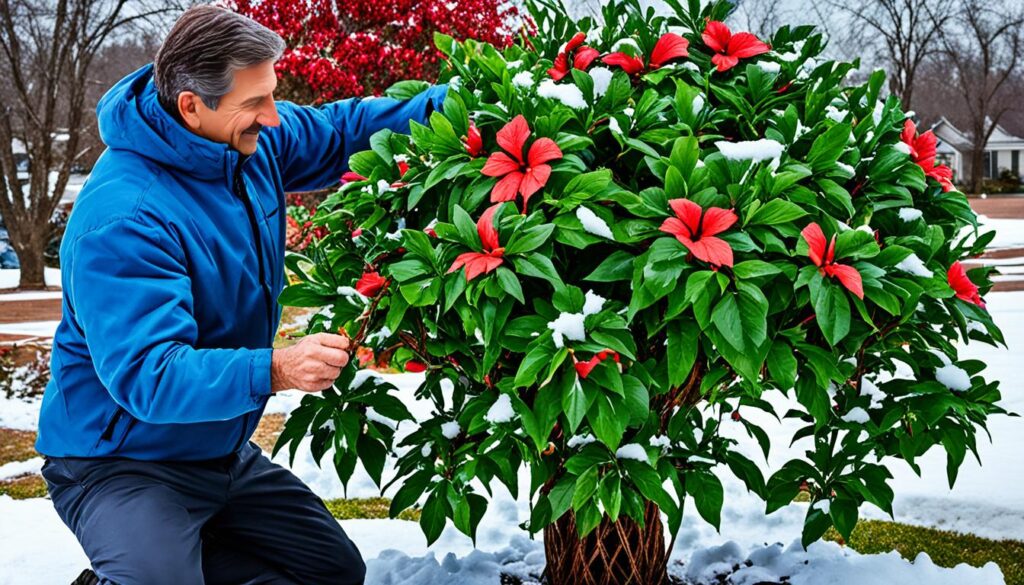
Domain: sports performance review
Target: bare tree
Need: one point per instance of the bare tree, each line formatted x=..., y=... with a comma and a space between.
x=905, y=32
x=47, y=49
x=983, y=51
x=761, y=17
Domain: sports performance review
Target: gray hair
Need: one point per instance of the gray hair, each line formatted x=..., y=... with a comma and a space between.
x=204, y=49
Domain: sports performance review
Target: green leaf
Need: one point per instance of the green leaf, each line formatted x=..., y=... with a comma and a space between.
x=726, y=318
x=828, y=147
x=433, y=515
x=406, y=89
x=681, y=350
x=708, y=495
x=618, y=266
x=510, y=283
x=775, y=212
x=831, y=309
x=530, y=239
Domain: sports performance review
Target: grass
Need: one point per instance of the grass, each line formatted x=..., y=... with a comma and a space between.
x=24, y=487
x=946, y=548
x=351, y=509
x=17, y=445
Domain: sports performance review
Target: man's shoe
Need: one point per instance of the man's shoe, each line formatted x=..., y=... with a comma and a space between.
x=86, y=578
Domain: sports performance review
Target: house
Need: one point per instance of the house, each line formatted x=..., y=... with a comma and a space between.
x=1002, y=152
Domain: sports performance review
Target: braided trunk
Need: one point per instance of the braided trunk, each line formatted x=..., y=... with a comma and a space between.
x=614, y=553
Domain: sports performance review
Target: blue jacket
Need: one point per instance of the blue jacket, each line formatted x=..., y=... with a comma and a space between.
x=171, y=272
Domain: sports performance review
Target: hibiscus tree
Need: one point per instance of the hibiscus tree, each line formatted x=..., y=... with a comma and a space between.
x=594, y=276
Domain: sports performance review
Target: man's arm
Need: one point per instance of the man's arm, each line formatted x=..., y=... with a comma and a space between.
x=313, y=143
x=132, y=296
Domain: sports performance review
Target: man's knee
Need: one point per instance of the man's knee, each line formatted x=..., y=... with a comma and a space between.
x=343, y=564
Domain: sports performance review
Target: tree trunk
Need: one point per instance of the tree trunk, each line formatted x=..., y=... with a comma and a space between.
x=614, y=553
x=30, y=256
x=977, y=169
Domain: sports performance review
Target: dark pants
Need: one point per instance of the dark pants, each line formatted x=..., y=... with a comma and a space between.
x=239, y=519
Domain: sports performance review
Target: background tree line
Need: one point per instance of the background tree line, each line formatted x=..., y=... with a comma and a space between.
x=955, y=58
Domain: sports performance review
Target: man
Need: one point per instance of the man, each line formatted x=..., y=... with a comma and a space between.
x=162, y=364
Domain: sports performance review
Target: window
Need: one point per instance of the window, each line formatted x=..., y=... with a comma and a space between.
x=1015, y=162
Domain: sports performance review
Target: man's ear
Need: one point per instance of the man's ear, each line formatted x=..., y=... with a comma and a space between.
x=188, y=108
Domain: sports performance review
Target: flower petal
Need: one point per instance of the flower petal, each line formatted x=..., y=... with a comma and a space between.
x=908, y=134
x=676, y=227
x=689, y=212
x=724, y=62
x=631, y=65
x=534, y=178
x=576, y=40
x=543, y=150
x=461, y=260
x=848, y=276
x=815, y=239
x=500, y=164
x=717, y=220
x=745, y=45
x=963, y=286
x=669, y=46
x=559, y=68
x=507, y=187
x=584, y=368
x=584, y=57
x=512, y=137
x=485, y=228
x=716, y=36
x=712, y=250
x=482, y=264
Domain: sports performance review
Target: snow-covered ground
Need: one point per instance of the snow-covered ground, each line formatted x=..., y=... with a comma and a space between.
x=984, y=501
x=9, y=277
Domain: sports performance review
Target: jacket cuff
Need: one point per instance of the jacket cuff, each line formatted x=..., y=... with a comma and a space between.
x=259, y=374
x=436, y=95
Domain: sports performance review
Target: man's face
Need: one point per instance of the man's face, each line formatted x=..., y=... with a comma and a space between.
x=241, y=113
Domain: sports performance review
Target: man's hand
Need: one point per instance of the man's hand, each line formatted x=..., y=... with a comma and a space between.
x=311, y=365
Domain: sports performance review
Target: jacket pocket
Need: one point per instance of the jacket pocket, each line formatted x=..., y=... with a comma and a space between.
x=110, y=429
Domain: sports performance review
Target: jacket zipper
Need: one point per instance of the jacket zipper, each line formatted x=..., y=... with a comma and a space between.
x=238, y=188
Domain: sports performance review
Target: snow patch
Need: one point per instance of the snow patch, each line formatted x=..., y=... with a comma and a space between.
x=501, y=411
x=915, y=266
x=593, y=224
x=567, y=93
x=631, y=451
x=755, y=150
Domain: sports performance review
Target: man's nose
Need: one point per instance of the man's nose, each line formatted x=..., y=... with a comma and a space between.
x=269, y=117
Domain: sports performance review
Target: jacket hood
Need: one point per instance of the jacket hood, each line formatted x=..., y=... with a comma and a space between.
x=131, y=118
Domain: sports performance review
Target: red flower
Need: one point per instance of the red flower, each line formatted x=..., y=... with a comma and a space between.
x=922, y=152
x=823, y=257
x=730, y=48
x=524, y=177
x=478, y=263
x=695, y=228
x=402, y=167
x=584, y=368
x=357, y=232
x=670, y=46
x=965, y=289
x=351, y=176
x=414, y=366
x=430, y=232
x=581, y=57
x=474, y=142
x=370, y=284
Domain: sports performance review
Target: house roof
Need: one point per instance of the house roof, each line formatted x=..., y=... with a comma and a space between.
x=948, y=133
